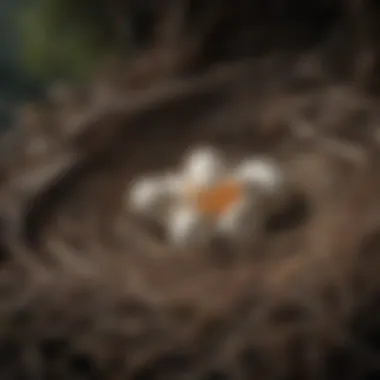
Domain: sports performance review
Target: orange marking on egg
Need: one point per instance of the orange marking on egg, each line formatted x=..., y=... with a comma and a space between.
x=214, y=201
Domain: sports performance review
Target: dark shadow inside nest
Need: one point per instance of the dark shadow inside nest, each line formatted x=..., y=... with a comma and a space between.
x=151, y=228
x=290, y=216
x=157, y=231
x=293, y=214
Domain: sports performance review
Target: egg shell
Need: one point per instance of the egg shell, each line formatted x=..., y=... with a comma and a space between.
x=260, y=173
x=187, y=227
x=152, y=196
x=203, y=167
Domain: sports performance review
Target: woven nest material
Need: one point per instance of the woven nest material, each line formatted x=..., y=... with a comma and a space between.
x=88, y=293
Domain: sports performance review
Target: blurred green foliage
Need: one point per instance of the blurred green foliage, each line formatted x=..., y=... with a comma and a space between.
x=41, y=40
x=15, y=84
x=64, y=37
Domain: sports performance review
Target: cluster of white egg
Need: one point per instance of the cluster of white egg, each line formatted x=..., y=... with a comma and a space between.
x=206, y=196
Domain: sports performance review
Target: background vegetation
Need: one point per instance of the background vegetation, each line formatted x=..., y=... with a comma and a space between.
x=45, y=39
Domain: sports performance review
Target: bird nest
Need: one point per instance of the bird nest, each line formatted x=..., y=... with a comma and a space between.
x=91, y=290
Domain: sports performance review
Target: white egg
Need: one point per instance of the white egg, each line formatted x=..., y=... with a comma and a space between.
x=186, y=227
x=151, y=196
x=261, y=174
x=203, y=167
